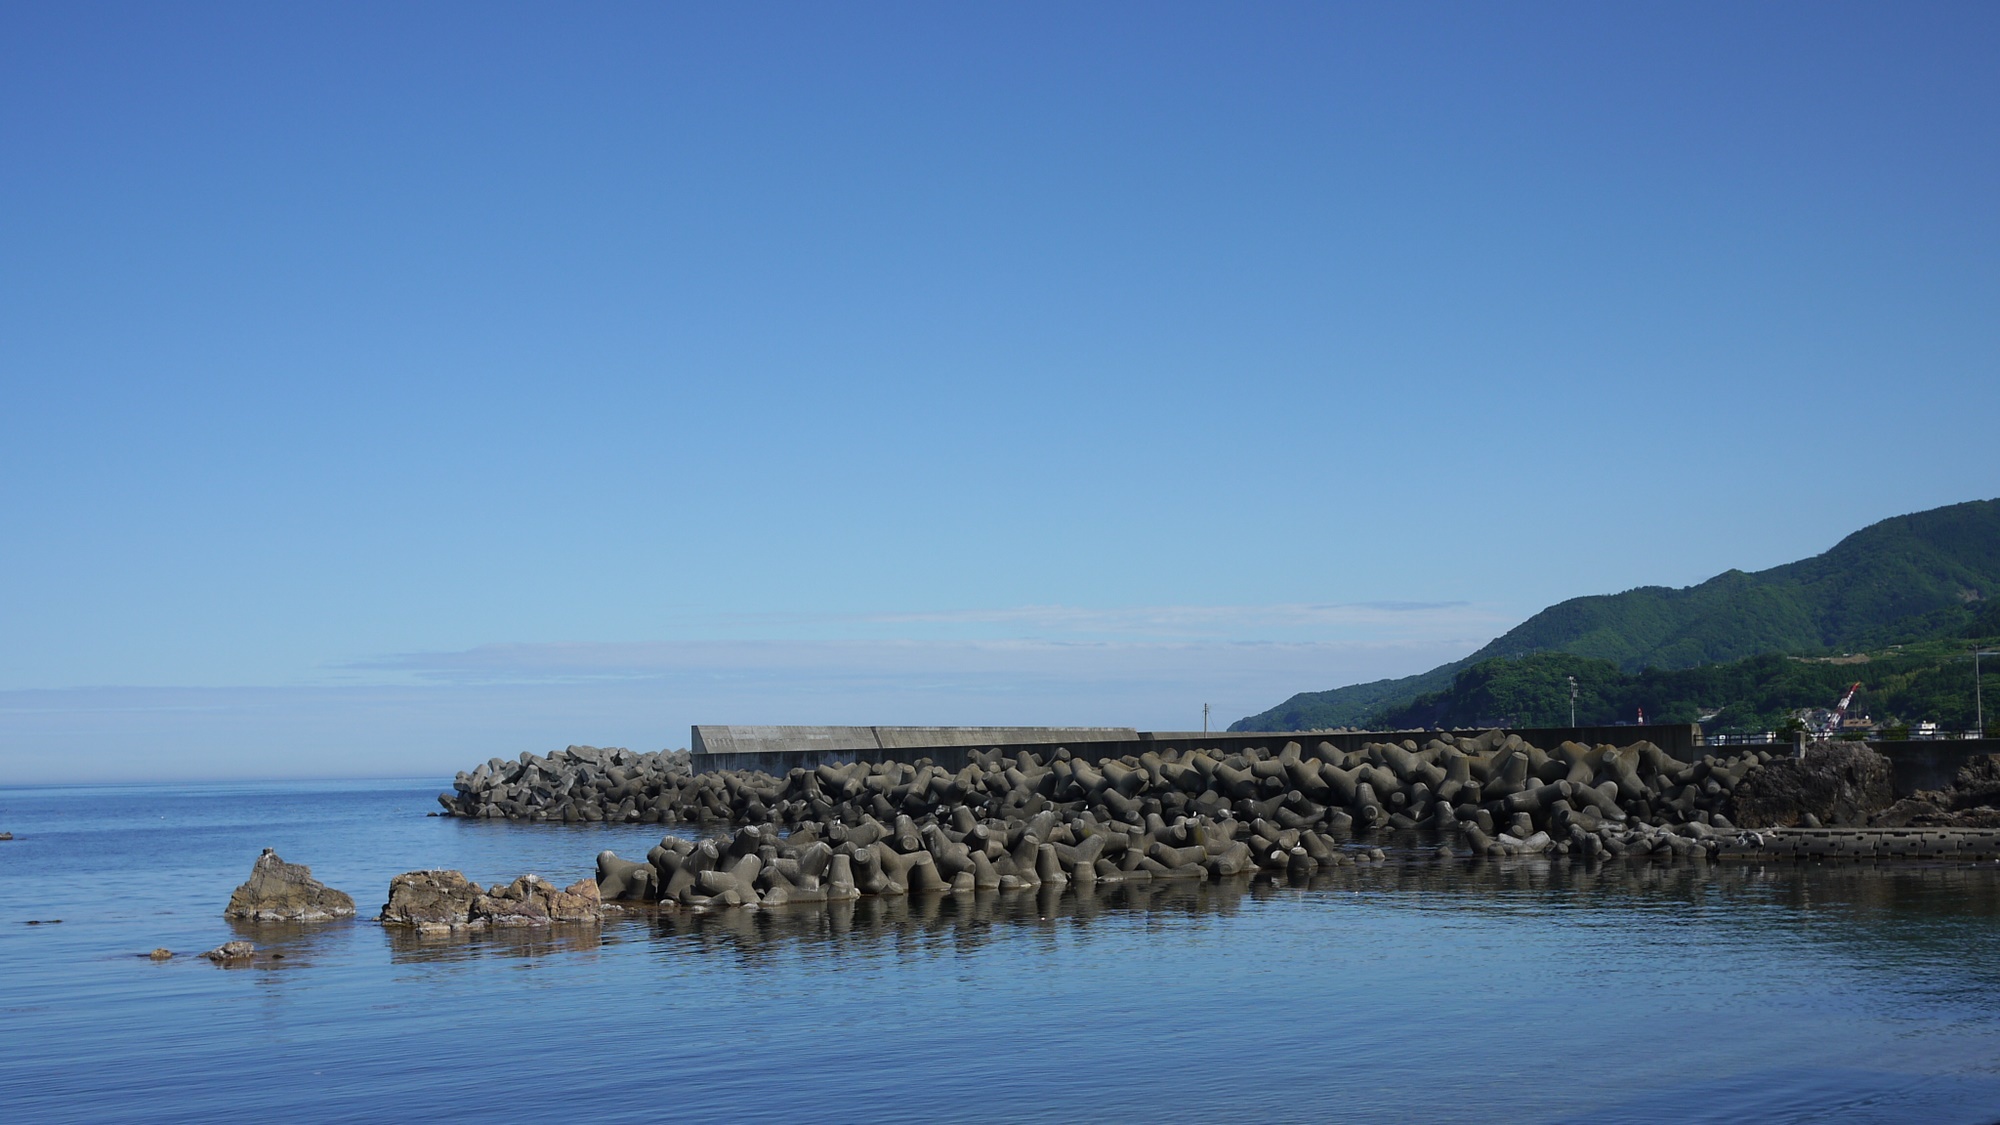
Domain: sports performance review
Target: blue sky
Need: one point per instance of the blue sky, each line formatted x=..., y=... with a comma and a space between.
x=388, y=387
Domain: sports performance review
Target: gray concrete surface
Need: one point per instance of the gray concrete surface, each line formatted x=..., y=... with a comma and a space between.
x=776, y=750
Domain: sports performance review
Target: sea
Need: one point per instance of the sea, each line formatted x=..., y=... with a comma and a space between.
x=1413, y=990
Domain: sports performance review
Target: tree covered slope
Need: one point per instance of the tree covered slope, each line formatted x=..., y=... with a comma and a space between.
x=1908, y=578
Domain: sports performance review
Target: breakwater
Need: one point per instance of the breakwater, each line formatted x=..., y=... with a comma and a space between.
x=575, y=784
x=1000, y=822
x=1023, y=820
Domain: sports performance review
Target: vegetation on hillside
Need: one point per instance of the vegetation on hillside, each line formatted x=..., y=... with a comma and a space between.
x=1904, y=580
x=1932, y=681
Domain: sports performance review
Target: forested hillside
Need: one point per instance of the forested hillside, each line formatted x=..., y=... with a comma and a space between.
x=1911, y=578
x=1908, y=684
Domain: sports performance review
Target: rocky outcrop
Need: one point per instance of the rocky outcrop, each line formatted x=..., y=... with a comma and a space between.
x=1971, y=801
x=1834, y=784
x=230, y=951
x=532, y=901
x=285, y=892
x=429, y=900
x=580, y=783
x=445, y=901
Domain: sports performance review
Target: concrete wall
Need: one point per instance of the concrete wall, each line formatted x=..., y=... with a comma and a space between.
x=1931, y=764
x=777, y=750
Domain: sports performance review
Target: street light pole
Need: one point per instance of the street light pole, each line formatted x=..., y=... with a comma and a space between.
x=1572, y=700
x=1204, y=718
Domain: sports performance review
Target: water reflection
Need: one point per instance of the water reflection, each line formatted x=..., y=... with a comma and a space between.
x=1898, y=905
x=409, y=947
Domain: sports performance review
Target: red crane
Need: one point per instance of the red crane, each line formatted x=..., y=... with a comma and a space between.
x=1840, y=712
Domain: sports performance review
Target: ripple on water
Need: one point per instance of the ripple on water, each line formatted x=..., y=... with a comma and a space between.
x=1513, y=991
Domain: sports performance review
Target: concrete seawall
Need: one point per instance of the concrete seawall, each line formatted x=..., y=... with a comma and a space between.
x=777, y=750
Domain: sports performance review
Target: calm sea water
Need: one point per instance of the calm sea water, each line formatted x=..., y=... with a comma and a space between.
x=1521, y=991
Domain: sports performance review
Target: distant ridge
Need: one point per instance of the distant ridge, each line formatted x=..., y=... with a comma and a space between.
x=1907, y=578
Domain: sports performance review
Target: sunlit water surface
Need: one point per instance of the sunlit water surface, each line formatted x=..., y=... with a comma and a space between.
x=1523, y=991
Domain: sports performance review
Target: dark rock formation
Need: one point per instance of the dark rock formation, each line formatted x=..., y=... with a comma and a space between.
x=1972, y=801
x=444, y=901
x=286, y=892
x=1835, y=783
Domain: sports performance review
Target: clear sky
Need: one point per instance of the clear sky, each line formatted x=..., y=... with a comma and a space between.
x=387, y=386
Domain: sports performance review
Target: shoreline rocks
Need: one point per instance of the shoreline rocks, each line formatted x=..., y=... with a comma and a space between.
x=286, y=892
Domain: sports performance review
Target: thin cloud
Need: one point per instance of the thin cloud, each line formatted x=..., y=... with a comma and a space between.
x=435, y=712
x=867, y=659
x=1175, y=618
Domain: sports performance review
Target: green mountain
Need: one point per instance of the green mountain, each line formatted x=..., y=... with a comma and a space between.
x=1909, y=578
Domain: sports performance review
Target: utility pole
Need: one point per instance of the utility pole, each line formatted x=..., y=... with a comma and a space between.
x=1204, y=718
x=1978, y=700
x=1572, y=700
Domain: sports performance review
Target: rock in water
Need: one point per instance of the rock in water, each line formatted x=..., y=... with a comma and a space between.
x=533, y=901
x=286, y=892
x=432, y=901
x=231, y=951
x=443, y=901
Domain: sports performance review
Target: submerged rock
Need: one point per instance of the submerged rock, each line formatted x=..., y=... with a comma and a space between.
x=286, y=892
x=230, y=951
x=161, y=955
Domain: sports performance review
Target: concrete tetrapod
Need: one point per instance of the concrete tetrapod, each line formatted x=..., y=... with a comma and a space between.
x=1029, y=821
